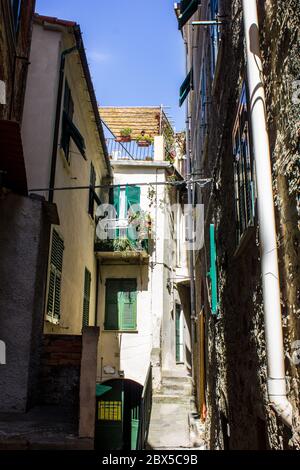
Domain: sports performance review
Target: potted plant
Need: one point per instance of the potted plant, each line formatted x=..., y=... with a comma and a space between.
x=144, y=140
x=125, y=135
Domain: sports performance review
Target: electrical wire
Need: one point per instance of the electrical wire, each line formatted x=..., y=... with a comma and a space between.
x=202, y=182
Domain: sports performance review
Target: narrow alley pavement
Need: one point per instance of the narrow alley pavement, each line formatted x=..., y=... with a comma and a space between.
x=174, y=423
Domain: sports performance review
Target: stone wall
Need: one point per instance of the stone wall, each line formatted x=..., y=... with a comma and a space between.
x=239, y=416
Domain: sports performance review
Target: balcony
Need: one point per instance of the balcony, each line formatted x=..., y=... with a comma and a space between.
x=129, y=150
x=123, y=239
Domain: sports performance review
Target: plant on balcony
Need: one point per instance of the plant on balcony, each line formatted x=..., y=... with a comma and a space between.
x=125, y=135
x=142, y=223
x=144, y=140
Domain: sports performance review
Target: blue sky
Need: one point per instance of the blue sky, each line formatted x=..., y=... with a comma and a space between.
x=134, y=49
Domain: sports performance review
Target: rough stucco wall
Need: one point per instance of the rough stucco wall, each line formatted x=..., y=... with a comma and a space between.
x=235, y=356
x=24, y=240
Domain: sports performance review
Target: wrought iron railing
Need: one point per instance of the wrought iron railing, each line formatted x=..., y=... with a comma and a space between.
x=129, y=150
x=145, y=411
x=121, y=236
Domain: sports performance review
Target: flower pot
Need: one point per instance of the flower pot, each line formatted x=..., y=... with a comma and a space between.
x=123, y=139
x=143, y=143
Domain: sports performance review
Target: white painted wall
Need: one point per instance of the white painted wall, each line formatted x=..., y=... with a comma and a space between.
x=76, y=227
x=132, y=352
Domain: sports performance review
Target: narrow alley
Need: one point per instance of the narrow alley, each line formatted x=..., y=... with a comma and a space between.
x=149, y=226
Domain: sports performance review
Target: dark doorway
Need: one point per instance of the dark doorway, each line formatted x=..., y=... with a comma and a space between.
x=117, y=415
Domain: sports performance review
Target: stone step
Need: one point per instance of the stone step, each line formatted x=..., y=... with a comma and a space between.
x=177, y=380
x=171, y=399
x=177, y=390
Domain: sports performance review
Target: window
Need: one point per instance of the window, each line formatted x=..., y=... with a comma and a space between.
x=243, y=170
x=203, y=102
x=214, y=35
x=55, y=275
x=125, y=199
x=120, y=304
x=86, y=298
x=16, y=13
x=186, y=87
x=69, y=130
x=93, y=196
x=213, y=271
x=187, y=9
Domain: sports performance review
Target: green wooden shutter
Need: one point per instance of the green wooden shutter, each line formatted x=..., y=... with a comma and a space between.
x=133, y=198
x=213, y=271
x=92, y=190
x=111, y=305
x=54, y=288
x=187, y=9
x=127, y=304
x=86, y=298
x=186, y=87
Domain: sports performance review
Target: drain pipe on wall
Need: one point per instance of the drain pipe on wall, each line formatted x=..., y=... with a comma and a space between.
x=267, y=228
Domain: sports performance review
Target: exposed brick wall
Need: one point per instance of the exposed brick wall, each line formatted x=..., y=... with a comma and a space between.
x=60, y=371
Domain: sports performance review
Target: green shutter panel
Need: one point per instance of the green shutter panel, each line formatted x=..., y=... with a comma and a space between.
x=54, y=288
x=213, y=271
x=114, y=199
x=86, y=298
x=133, y=199
x=186, y=87
x=127, y=308
x=187, y=9
x=111, y=305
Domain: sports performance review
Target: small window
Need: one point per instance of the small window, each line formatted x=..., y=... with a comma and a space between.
x=93, y=196
x=55, y=278
x=244, y=180
x=68, y=112
x=121, y=304
x=69, y=130
x=16, y=13
x=214, y=35
x=86, y=298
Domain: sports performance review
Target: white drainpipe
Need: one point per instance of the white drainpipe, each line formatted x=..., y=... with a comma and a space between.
x=267, y=229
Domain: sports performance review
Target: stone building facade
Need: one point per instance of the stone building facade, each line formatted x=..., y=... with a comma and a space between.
x=238, y=413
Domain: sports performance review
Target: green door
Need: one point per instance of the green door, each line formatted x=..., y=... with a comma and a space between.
x=109, y=418
x=117, y=415
x=135, y=420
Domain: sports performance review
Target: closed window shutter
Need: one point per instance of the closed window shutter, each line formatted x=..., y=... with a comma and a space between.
x=133, y=198
x=92, y=190
x=54, y=288
x=127, y=309
x=186, y=87
x=213, y=271
x=111, y=305
x=86, y=298
x=187, y=9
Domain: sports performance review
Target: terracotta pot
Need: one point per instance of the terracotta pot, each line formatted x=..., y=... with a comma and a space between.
x=143, y=143
x=123, y=139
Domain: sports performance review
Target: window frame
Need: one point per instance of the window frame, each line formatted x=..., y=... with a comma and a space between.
x=118, y=282
x=243, y=170
x=86, y=298
x=57, y=272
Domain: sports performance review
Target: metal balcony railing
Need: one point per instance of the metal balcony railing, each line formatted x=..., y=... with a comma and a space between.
x=145, y=411
x=129, y=150
x=119, y=235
